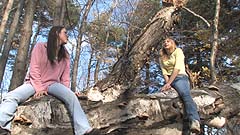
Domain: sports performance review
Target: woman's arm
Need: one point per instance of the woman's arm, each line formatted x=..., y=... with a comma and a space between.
x=65, y=78
x=179, y=57
x=35, y=73
x=173, y=75
x=167, y=86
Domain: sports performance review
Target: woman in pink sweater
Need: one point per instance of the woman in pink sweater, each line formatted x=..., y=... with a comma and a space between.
x=49, y=74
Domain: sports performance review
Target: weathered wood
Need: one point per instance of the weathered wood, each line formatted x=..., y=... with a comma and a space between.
x=129, y=114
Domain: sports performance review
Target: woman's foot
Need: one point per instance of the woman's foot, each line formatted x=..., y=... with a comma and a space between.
x=4, y=131
x=94, y=131
x=195, y=126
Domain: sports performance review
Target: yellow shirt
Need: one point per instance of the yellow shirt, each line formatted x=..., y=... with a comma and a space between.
x=176, y=61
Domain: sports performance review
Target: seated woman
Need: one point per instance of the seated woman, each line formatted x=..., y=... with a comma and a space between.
x=49, y=74
x=173, y=69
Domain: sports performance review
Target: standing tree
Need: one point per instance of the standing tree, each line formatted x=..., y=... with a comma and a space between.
x=21, y=59
x=4, y=22
x=7, y=47
x=215, y=43
x=81, y=31
x=58, y=17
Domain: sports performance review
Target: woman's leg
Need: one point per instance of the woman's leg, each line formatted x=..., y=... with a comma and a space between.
x=182, y=86
x=10, y=103
x=81, y=124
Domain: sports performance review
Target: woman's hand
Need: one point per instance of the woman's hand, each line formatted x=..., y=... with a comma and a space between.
x=166, y=87
x=40, y=94
x=81, y=95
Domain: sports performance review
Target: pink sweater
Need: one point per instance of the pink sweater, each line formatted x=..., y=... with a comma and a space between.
x=42, y=73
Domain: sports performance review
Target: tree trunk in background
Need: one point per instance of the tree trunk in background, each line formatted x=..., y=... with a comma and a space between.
x=215, y=43
x=89, y=69
x=78, y=48
x=128, y=66
x=4, y=22
x=147, y=79
x=96, y=70
x=20, y=69
x=59, y=12
x=7, y=47
x=34, y=42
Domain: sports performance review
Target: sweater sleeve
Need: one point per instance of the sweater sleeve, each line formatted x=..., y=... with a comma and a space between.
x=65, y=77
x=179, y=59
x=35, y=73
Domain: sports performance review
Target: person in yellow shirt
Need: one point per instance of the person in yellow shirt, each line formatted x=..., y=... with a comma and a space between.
x=173, y=70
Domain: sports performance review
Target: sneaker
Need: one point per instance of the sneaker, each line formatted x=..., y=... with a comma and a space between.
x=94, y=131
x=4, y=131
x=195, y=126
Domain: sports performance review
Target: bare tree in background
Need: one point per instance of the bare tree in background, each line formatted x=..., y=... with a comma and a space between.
x=20, y=68
x=59, y=12
x=4, y=22
x=89, y=69
x=215, y=43
x=79, y=43
x=7, y=47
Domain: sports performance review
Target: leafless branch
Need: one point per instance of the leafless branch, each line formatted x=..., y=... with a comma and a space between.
x=190, y=11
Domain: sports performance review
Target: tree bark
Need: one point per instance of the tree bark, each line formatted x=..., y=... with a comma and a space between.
x=34, y=42
x=7, y=47
x=89, y=69
x=96, y=70
x=4, y=22
x=58, y=18
x=79, y=43
x=20, y=69
x=137, y=114
x=215, y=43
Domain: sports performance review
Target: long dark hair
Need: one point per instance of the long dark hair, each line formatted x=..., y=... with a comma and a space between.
x=52, y=44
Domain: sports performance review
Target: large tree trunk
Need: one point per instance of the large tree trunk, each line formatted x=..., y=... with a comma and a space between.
x=79, y=43
x=155, y=114
x=7, y=47
x=20, y=68
x=4, y=22
x=215, y=43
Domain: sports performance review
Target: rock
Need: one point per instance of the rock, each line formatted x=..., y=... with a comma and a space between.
x=217, y=122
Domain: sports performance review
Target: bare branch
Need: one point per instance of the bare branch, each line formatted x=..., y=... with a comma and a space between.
x=190, y=11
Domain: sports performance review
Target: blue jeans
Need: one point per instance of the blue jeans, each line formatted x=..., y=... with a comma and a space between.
x=25, y=91
x=182, y=86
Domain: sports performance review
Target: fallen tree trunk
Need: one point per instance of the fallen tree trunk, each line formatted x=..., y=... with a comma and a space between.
x=159, y=113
